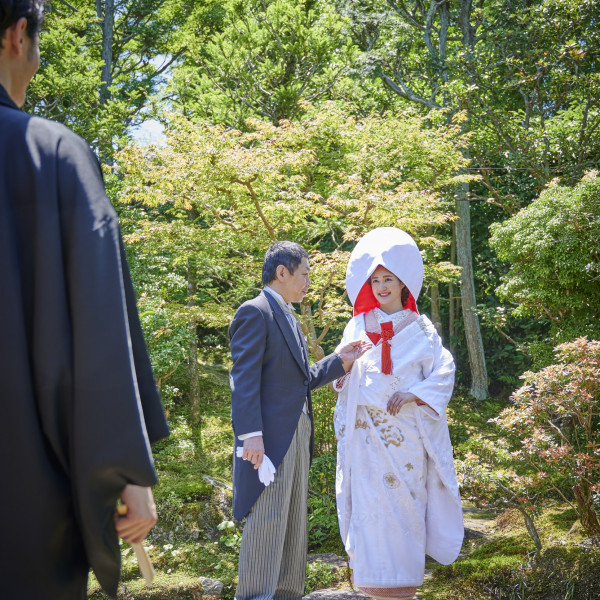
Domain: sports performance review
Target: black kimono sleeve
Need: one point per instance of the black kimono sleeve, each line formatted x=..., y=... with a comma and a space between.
x=116, y=410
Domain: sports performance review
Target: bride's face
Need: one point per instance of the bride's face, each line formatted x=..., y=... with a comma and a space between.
x=387, y=289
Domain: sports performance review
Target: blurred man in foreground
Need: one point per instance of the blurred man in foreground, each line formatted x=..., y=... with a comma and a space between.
x=78, y=399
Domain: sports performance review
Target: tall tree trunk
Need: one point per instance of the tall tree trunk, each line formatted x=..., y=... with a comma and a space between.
x=435, y=307
x=308, y=328
x=423, y=17
x=434, y=298
x=106, y=12
x=451, y=299
x=107, y=15
x=193, y=347
x=479, y=380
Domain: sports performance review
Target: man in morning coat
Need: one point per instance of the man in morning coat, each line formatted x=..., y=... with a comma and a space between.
x=271, y=383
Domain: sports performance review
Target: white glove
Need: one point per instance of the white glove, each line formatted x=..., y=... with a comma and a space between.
x=266, y=471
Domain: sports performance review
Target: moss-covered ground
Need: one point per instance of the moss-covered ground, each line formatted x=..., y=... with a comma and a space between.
x=195, y=536
x=504, y=565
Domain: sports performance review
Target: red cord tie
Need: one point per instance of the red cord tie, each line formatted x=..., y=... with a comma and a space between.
x=387, y=333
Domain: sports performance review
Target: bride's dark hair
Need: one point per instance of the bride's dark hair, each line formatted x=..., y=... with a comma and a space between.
x=404, y=296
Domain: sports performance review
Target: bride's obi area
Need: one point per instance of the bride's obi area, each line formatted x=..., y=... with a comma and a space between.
x=396, y=488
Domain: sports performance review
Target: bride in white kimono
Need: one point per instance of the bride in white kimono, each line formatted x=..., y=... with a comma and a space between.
x=396, y=488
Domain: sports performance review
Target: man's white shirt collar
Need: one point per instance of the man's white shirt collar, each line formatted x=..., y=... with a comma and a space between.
x=287, y=308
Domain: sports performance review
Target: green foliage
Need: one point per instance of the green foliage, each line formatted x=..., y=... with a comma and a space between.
x=557, y=573
x=195, y=450
x=199, y=212
x=503, y=565
x=493, y=565
x=231, y=537
x=565, y=574
x=318, y=576
x=533, y=89
x=191, y=504
x=68, y=87
x=527, y=77
x=178, y=460
x=507, y=336
x=202, y=208
x=528, y=81
x=547, y=442
x=468, y=417
x=490, y=475
x=554, y=265
x=323, y=528
x=556, y=417
x=267, y=57
x=324, y=400
x=393, y=46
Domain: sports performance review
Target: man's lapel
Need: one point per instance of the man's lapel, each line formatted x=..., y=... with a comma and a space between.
x=304, y=344
x=286, y=330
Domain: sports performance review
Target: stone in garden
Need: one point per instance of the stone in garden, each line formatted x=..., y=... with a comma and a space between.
x=328, y=558
x=211, y=587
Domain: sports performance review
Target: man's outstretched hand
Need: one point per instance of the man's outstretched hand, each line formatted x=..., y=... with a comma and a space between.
x=351, y=351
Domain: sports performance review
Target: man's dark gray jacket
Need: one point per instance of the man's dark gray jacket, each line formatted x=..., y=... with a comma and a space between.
x=270, y=381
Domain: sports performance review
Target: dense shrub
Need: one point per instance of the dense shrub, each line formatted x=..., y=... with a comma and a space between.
x=556, y=418
x=552, y=248
x=323, y=530
x=547, y=441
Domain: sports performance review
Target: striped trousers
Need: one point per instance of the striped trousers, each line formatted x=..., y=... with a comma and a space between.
x=272, y=563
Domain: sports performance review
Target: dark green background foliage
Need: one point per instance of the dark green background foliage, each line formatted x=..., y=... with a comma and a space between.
x=527, y=84
x=554, y=255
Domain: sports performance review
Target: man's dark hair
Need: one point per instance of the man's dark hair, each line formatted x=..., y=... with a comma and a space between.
x=288, y=254
x=12, y=10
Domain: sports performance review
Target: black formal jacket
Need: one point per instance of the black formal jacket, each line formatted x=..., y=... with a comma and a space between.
x=270, y=381
x=78, y=403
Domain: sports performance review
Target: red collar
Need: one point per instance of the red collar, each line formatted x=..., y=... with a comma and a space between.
x=387, y=333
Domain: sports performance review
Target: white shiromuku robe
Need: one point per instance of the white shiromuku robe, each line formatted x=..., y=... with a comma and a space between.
x=396, y=488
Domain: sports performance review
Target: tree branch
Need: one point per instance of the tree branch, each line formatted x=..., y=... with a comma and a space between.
x=401, y=9
x=261, y=214
x=69, y=5
x=405, y=92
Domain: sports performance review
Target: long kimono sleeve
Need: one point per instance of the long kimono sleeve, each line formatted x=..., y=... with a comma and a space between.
x=109, y=444
x=438, y=376
x=154, y=418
